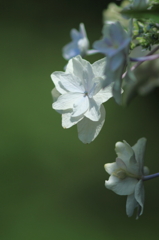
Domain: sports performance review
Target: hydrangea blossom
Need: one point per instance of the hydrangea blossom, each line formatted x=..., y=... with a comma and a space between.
x=78, y=96
x=126, y=174
x=115, y=45
x=79, y=44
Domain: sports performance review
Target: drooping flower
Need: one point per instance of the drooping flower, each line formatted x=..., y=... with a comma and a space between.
x=79, y=44
x=115, y=45
x=126, y=174
x=78, y=96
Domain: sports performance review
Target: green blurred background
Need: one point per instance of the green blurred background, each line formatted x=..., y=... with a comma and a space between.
x=52, y=185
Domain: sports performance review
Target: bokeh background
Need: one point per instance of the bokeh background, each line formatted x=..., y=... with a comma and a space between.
x=51, y=184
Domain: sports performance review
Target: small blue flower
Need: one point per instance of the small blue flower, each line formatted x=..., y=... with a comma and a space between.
x=79, y=44
x=114, y=44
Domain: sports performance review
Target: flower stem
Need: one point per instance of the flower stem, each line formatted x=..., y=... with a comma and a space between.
x=140, y=62
x=148, y=177
x=92, y=51
x=146, y=58
x=150, y=53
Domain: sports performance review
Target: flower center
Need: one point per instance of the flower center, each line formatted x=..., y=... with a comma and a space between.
x=122, y=174
x=85, y=93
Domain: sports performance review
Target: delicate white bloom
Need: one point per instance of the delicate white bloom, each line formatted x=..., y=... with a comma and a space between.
x=79, y=44
x=78, y=96
x=126, y=174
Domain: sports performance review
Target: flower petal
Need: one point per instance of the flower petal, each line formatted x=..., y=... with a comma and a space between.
x=75, y=35
x=88, y=77
x=126, y=153
x=131, y=204
x=70, y=50
x=56, y=78
x=121, y=186
x=110, y=167
x=140, y=196
x=80, y=106
x=68, y=121
x=121, y=164
x=99, y=67
x=103, y=95
x=93, y=112
x=116, y=60
x=71, y=83
x=66, y=101
x=89, y=130
x=139, y=150
x=55, y=94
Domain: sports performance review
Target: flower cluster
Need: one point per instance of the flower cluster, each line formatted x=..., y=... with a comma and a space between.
x=81, y=90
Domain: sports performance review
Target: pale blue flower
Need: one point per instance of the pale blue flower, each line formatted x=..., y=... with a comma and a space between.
x=79, y=44
x=78, y=96
x=126, y=174
x=114, y=44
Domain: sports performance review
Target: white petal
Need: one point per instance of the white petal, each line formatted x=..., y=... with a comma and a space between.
x=110, y=167
x=56, y=78
x=80, y=106
x=103, y=95
x=140, y=195
x=83, y=45
x=121, y=164
x=99, y=67
x=71, y=83
x=131, y=204
x=96, y=87
x=121, y=186
x=66, y=101
x=89, y=130
x=88, y=77
x=68, y=121
x=93, y=112
x=55, y=94
x=75, y=67
x=139, y=150
x=126, y=153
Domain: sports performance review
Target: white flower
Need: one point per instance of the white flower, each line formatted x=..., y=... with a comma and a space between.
x=78, y=96
x=127, y=173
x=79, y=44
